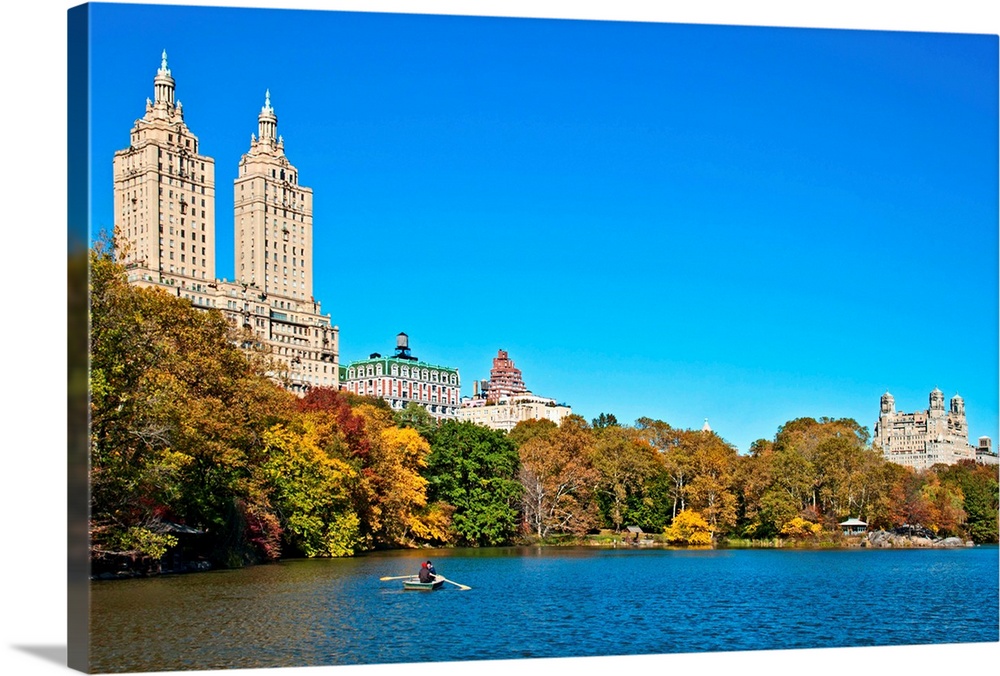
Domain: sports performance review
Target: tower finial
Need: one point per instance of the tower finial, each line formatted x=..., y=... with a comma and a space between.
x=267, y=121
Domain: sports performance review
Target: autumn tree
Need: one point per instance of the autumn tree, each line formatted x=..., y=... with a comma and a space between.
x=711, y=488
x=689, y=528
x=802, y=437
x=178, y=415
x=624, y=463
x=528, y=429
x=558, y=480
x=799, y=528
x=341, y=431
x=392, y=477
x=753, y=477
x=309, y=492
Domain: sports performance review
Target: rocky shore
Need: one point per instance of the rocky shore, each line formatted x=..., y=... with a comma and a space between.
x=884, y=539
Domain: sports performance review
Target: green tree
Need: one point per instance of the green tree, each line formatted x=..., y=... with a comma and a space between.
x=624, y=462
x=981, y=503
x=674, y=457
x=416, y=417
x=604, y=420
x=474, y=469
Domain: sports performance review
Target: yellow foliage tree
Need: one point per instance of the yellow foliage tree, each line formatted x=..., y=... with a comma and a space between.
x=398, y=493
x=800, y=528
x=689, y=528
x=308, y=490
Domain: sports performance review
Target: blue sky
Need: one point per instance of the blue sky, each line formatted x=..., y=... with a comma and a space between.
x=745, y=224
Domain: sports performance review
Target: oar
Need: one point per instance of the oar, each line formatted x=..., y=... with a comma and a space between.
x=396, y=577
x=460, y=586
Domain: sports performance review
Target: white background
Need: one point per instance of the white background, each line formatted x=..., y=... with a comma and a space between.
x=33, y=144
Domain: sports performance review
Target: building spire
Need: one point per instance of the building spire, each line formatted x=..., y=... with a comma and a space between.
x=163, y=84
x=267, y=121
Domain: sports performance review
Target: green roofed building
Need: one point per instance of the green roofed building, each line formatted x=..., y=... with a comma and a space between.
x=403, y=378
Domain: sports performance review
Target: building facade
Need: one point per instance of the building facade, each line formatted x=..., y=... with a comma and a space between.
x=502, y=401
x=402, y=378
x=164, y=195
x=505, y=379
x=924, y=438
x=165, y=237
x=506, y=413
x=985, y=454
x=273, y=216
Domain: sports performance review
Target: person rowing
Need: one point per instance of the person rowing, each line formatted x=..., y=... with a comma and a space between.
x=426, y=573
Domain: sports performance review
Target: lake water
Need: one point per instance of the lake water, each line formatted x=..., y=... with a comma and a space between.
x=554, y=602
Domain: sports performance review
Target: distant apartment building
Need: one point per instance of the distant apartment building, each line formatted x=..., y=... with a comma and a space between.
x=164, y=201
x=506, y=413
x=402, y=378
x=924, y=438
x=984, y=452
x=503, y=400
x=505, y=379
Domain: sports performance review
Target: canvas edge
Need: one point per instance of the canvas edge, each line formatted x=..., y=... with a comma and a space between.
x=77, y=336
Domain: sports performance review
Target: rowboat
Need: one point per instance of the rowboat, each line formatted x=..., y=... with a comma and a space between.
x=416, y=585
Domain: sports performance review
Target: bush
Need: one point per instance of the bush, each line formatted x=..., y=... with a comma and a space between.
x=689, y=528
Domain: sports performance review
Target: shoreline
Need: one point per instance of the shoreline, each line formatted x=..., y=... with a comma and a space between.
x=872, y=540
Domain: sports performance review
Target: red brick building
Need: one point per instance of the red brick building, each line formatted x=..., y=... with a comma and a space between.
x=505, y=379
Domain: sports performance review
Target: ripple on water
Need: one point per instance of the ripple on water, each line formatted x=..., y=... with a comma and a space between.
x=530, y=603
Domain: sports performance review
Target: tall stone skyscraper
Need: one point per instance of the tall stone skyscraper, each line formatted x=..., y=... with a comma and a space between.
x=273, y=216
x=165, y=196
x=165, y=236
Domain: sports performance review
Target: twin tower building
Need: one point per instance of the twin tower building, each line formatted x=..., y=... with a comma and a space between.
x=164, y=202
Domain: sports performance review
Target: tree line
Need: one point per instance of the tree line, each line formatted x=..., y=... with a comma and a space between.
x=189, y=435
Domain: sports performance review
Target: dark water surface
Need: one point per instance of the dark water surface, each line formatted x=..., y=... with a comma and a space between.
x=556, y=602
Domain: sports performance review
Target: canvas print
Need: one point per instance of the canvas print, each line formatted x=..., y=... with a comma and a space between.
x=417, y=339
